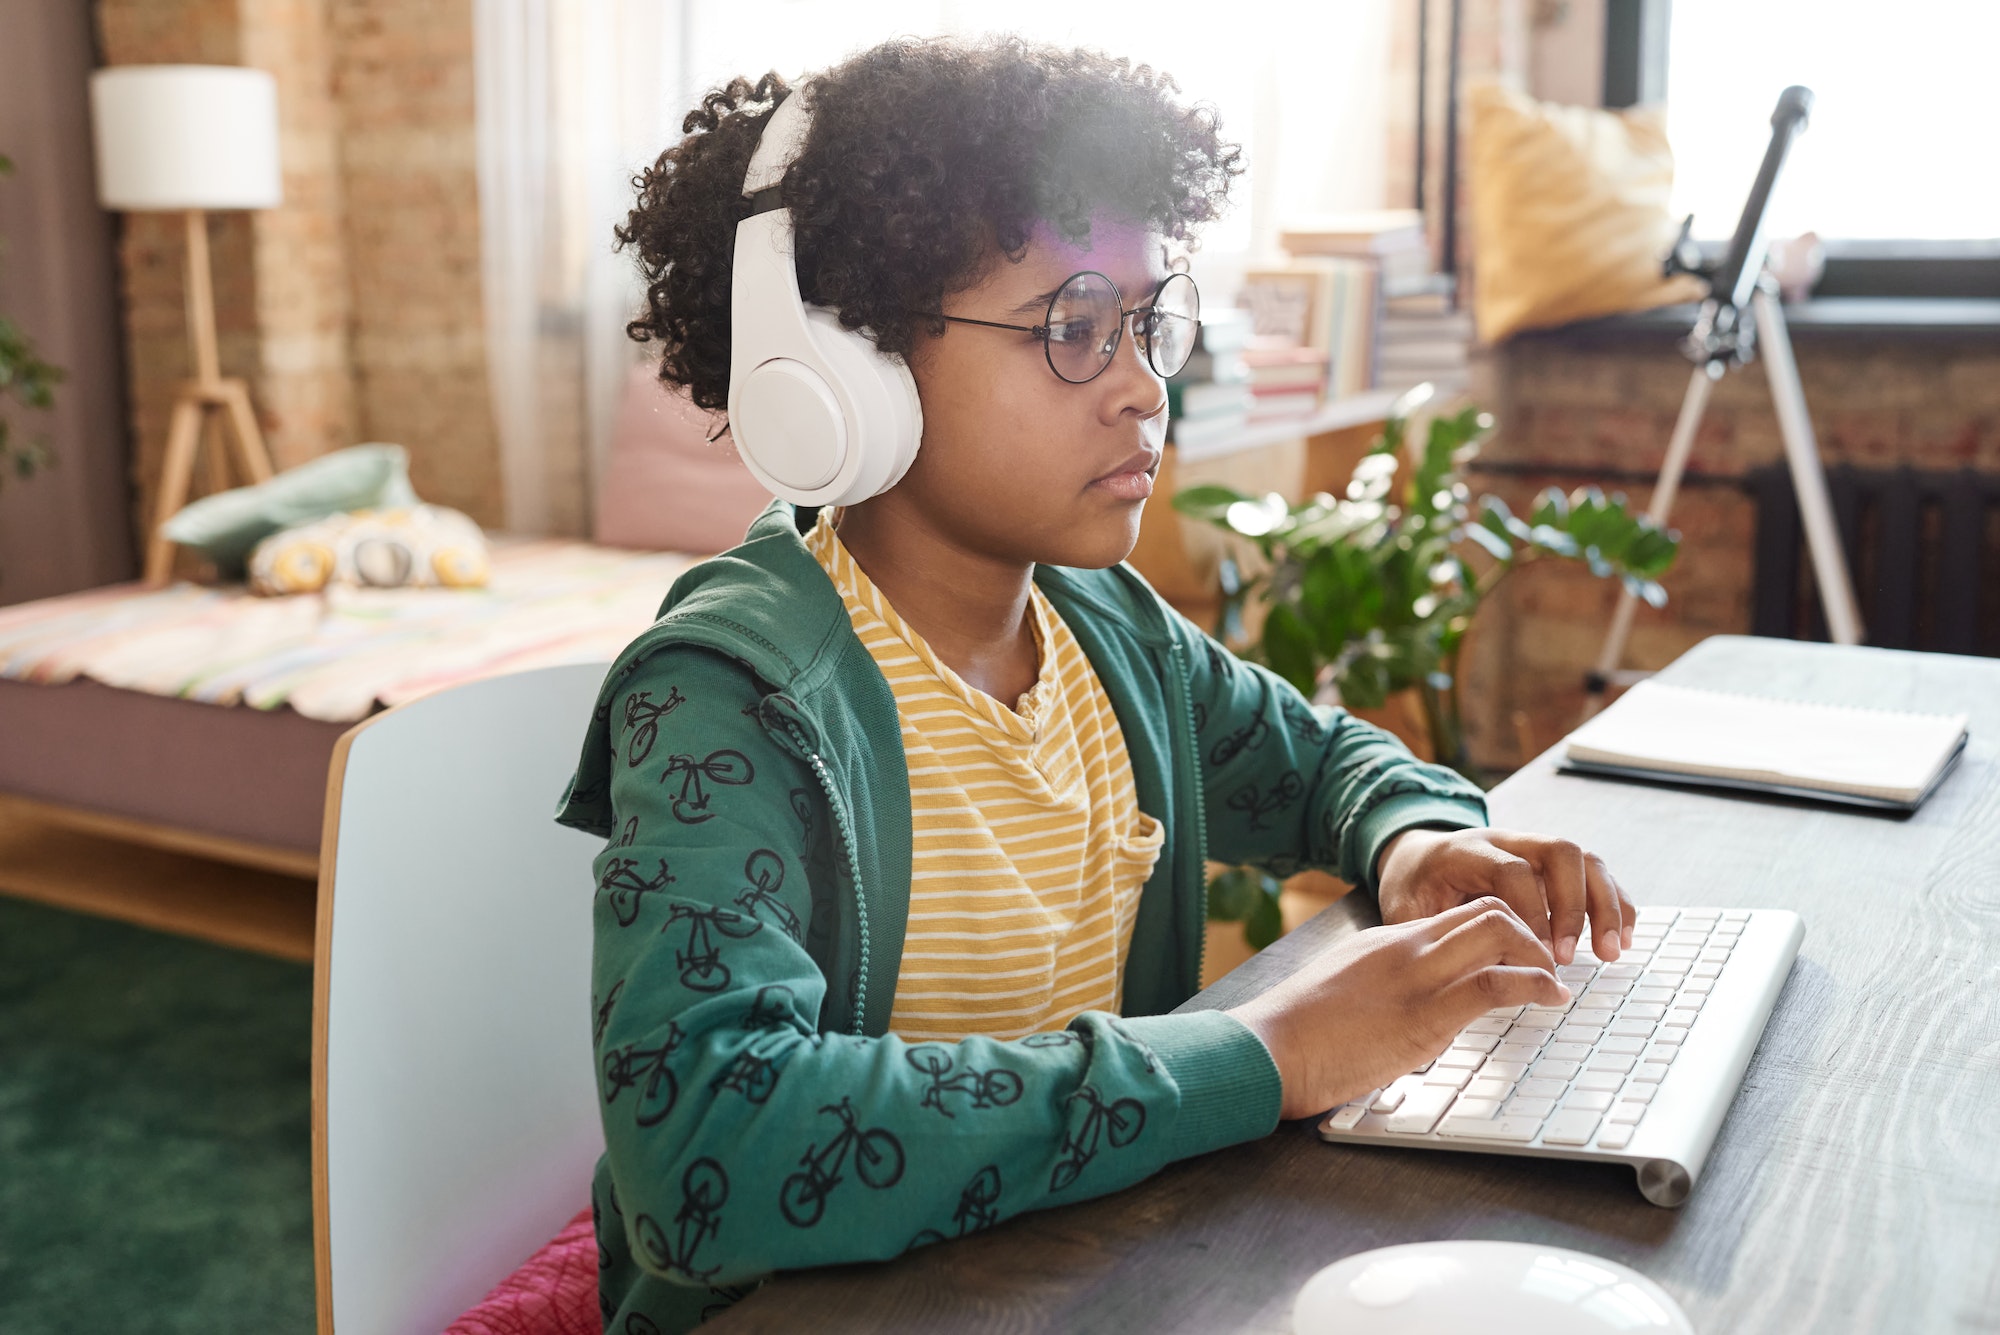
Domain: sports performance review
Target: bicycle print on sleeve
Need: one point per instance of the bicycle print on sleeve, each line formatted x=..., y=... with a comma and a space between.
x=704, y=1191
x=878, y=1162
x=987, y=1089
x=1119, y=1122
x=728, y=768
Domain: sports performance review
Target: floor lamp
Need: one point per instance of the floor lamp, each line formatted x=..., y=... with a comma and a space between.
x=192, y=138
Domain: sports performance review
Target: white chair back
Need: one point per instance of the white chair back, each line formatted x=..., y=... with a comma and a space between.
x=455, y=1119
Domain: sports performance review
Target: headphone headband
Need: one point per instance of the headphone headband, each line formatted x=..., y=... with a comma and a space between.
x=820, y=415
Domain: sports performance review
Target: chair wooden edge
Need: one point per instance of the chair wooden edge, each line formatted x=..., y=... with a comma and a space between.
x=336, y=778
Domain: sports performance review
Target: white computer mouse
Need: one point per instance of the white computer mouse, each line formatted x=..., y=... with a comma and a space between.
x=1494, y=1288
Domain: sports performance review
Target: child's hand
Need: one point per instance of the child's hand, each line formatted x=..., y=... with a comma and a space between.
x=1550, y=883
x=1385, y=1001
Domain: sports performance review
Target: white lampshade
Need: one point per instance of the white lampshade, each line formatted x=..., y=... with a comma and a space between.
x=186, y=137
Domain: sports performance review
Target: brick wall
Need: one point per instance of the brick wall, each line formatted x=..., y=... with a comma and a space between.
x=354, y=308
x=1572, y=411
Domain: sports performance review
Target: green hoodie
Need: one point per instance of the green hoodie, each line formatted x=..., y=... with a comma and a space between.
x=745, y=762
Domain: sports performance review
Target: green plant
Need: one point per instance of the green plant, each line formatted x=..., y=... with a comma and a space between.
x=1372, y=592
x=28, y=379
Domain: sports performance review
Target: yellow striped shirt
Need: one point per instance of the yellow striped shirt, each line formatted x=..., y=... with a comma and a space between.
x=1029, y=846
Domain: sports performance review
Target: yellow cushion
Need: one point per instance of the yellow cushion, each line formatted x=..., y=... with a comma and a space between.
x=1569, y=212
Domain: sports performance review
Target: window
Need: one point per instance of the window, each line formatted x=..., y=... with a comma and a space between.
x=1900, y=145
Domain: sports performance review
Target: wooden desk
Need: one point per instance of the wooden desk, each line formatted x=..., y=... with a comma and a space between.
x=1855, y=1185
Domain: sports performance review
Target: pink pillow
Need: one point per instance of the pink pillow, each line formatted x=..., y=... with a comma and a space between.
x=667, y=487
x=553, y=1293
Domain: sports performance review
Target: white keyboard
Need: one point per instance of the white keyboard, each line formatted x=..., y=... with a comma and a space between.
x=1639, y=1068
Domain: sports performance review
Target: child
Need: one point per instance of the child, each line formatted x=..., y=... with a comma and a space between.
x=908, y=803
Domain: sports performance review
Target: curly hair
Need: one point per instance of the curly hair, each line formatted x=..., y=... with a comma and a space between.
x=923, y=157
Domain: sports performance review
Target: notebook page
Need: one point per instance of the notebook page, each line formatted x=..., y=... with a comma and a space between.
x=1681, y=729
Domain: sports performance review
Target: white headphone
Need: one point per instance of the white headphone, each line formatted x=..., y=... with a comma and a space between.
x=819, y=414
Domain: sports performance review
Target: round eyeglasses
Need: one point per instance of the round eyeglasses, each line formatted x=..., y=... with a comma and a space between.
x=1087, y=317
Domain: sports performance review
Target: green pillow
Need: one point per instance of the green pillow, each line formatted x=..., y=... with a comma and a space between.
x=225, y=526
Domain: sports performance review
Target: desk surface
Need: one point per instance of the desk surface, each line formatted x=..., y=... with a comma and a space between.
x=1854, y=1186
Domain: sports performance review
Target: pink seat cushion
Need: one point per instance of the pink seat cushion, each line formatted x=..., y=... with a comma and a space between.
x=667, y=486
x=553, y=1293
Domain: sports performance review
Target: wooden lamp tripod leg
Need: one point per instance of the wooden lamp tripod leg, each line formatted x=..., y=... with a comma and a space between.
x=176, y=471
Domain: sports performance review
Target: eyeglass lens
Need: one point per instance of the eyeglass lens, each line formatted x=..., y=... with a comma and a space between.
x=1085, y=322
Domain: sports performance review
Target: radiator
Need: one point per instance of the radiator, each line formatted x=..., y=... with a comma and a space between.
x=1923, y=549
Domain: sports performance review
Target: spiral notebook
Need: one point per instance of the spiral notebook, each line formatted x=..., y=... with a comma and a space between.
x=1837, y=753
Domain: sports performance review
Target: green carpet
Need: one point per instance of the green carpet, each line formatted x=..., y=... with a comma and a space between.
x=155, y=1137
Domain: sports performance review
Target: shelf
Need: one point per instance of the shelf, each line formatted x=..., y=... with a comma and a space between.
x=1335, y=415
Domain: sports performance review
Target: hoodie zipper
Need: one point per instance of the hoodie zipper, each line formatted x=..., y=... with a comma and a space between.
x=839, y=809
x=1193, y=820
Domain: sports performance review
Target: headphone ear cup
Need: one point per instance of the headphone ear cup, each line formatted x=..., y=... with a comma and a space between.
x=885, y=421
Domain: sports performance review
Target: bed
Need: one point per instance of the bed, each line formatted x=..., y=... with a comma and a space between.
x=203, y=717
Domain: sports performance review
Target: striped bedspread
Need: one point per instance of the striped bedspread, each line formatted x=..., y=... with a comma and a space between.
x=337, y=656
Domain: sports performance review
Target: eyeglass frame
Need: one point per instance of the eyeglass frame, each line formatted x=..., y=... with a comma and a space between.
x=1041, y=331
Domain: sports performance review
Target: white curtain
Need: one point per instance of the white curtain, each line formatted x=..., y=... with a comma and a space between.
x=574, y=96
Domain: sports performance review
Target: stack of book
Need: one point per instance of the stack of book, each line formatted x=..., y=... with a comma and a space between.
x=1208, y=401
x=1425, y=337
x=1418, y=333
x=1285, y=380
x=1324, y=303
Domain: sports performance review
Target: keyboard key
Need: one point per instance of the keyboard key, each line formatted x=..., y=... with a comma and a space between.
x=1614, y=1136
x=1638, y=1091
x=1489, y=1087
x=1661, y=1052
x=1535, y=1108
x=1686, y=1000
x=1540, y=1088
x=1714, y=955
x=1736, y=915
x=1446, y=1077
x=1650, y=1071
x=1392, y=1097
x=1627, y=1111
x=1520, y=1129
x=1670, y=1033
x=1576, y=973
x=1480, y=1043
x=1609, y=987
x=1610, y=1061
x=1537, y=1018
x=1651, y=995
x=1698, y=986
x=1516, y=1052
x=1488, y=1024
x=1421, y=1069
x=1553, y=1012
x=1682, y=1016
x=1420, y=1111
x=1506, y=1012
x=1632, y=1026
x=1609, y=1081
x=1629, y=1046
x=1590, y=1100
x=1667, y=973
x=1705, y=970
x=1553, y=1070
x=1586, y=1034
x=1640, y=1010
x=1346, y=1116
x=1497, y=1068
x=1460, y=1058
x=1570, y=1127
x=1671, y=952
x=1471, y=1107
x=1567, y=1052
x=1622, y=969
x=1530, y=1036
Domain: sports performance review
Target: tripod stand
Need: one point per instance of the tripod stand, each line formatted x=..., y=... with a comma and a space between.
x=1722, y=338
